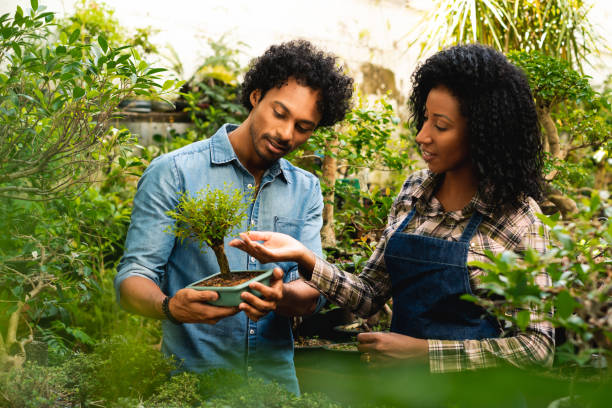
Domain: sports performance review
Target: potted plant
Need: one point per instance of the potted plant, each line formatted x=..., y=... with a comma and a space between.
x=207, y=218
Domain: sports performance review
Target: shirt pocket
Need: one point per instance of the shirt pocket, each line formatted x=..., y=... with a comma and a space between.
x=292, y=227
x=289, y=226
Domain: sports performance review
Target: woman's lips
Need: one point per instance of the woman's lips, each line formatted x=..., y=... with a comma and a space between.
x=426, y=155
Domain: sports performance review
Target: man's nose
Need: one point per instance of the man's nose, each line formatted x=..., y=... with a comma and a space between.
x=285, y=131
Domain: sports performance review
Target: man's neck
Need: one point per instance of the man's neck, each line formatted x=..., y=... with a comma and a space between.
x=242, y=143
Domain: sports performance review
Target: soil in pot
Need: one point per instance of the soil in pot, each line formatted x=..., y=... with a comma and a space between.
x=230, y=291
x=236, y=278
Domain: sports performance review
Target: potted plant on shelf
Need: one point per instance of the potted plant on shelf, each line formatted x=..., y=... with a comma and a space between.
x=207, y=218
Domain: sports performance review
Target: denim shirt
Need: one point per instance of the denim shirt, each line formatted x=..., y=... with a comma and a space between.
x=289, y=201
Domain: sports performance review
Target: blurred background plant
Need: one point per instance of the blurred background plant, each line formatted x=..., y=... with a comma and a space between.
x=59, y=94
x=579, y=302
x=94, y=18
x=558, y=28
x=211, y=94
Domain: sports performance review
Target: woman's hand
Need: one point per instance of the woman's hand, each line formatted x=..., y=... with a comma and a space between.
x=388, y=347
x=276, y=247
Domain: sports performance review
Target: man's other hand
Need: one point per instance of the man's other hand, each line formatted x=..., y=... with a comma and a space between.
x=255, y=307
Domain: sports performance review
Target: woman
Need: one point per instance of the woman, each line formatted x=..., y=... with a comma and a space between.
x=479, y=135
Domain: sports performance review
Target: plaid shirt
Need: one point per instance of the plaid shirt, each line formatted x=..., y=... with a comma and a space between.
x=367, y=293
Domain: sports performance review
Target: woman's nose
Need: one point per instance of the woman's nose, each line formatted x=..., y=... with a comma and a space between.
x=423, y=136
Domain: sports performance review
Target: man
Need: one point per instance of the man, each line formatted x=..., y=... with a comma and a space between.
x=289, y=91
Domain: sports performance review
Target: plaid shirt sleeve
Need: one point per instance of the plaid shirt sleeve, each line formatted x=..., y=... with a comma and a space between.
x=366, y=293
x=534, y=346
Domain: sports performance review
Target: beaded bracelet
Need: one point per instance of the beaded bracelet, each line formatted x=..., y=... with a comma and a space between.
x=166, y=310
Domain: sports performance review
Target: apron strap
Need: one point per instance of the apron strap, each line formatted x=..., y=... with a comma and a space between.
x=471, y=228
x=404, y=223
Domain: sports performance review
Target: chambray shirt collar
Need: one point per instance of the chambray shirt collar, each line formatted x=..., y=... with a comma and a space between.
x=222, y=152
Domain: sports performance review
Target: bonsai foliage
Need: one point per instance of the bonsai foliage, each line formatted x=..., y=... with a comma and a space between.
x=580, y=266
x=208, y=217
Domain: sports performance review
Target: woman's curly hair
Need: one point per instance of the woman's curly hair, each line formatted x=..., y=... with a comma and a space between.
x=502, y=124
x=309, y=66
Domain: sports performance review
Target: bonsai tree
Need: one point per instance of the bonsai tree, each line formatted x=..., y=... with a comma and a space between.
x=208, y=217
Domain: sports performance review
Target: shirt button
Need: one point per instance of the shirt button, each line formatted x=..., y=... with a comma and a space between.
x=253, y=260
x=251, y=331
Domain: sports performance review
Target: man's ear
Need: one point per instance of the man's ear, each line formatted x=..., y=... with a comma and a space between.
x=255, y=97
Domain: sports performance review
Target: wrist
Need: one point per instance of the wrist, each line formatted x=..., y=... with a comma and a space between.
x=166, y=310
x=306, y=264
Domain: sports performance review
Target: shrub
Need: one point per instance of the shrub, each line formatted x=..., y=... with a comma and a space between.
x=580, y=266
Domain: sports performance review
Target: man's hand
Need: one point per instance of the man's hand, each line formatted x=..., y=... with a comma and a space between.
x=189, y=306
x=256, y=308
x=388, y=347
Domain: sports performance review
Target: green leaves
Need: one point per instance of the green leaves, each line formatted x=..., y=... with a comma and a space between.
x=103, y=43
x=74, y=36
x=565, y=304
x=50, y=139
x=559, y=28
x=209, y=216
x=78, y=92
x=579, y=264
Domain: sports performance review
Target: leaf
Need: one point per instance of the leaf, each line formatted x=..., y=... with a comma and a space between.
x=565, y=304
x=74, y=36
x=78, y=92
x=17, y=49
x=103, y=43
x=34, y=4
x=155, y=71
x=167, y=84
x=522, y=319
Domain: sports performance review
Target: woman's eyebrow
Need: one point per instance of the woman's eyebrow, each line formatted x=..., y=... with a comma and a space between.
x=444, y=116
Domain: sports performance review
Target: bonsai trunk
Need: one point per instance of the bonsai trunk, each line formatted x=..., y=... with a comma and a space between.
x=222, y=260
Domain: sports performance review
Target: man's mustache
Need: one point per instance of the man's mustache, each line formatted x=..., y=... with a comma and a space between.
x=278, y=142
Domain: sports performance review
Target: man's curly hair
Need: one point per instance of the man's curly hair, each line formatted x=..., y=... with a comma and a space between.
x=502, y=124
x=308, y=66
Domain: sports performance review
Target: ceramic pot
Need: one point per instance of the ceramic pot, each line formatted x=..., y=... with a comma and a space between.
x=230, y=295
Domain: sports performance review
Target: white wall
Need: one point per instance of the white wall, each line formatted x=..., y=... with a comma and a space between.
x=356, y=30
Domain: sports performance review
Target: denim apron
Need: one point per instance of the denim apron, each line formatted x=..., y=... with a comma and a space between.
x=428, y=277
